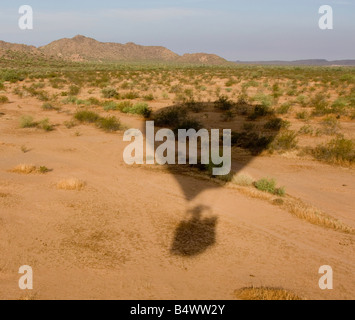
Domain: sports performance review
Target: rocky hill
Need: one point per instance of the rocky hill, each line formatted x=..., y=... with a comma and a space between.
x=81, y=48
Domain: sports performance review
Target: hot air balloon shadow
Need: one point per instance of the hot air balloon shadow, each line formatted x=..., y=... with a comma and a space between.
x=254, y=129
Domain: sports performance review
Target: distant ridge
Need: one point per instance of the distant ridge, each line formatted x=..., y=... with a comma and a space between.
x=81, y=48
x=309, y=62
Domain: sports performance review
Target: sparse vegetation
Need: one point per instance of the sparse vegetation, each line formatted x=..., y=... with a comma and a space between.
x=71, y=184
x=269, y=185
x=110, y=124
x=338, y=150
x=3, y=99
x=87, y=116
x=30, y=169
x=264, y=293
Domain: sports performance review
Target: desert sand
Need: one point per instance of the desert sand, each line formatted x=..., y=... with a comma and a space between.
x=131, y=233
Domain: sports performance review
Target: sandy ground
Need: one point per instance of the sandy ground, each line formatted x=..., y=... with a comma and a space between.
x=131, y=233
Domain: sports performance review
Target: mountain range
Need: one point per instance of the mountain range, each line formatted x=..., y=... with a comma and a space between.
x=81, y=48
x=307, y=62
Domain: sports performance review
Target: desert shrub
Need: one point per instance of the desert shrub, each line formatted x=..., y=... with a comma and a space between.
x=320, y=105
x=130, y=95
x=263, y=99
x=223, y=103
x=276, y=124
x=230, y=82
x=148, y=97
x=208, y=169
x=302, y=100
x=27, y=122
x=338, y=106
x=42, y=95
x=86, y=116
x=70, y=99
x=124, y=104
x=330, y=126
x=109, y=124
x=188, y=123
x=251, y=83
x=243, y=180
x=170, y=117
x=276, y=91
x=269, y=185
x=285, y=140
x=284, y=108
x=71, y=184
x=304, y=115
x=94, y=101
x=228, y=116
x=194, y=106
x=110, y=93
x=48, y=106
x=74, y=90
x=12, y=76
x=4, y=99
x=339, y=149
x=140, y=108
x=265, y=293
x=45, y=125
x=306, y=130
x=259, y=111
x=69, y=124
x=251, y=141
x=43, y=169
x=24, y=169
x=110, y=105
x=176, y=88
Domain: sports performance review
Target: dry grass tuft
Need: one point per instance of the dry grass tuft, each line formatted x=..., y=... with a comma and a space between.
x=242, y=179
x=264, y=293
x=24, y=169
x=315, y=216
x=30, y=169
x=71, y=184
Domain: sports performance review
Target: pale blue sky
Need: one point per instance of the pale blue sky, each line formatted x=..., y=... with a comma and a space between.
x=234, y=29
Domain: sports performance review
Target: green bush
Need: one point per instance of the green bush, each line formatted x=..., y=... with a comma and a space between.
x=187, y=124
x=131, y=95
x=223, y=103
x=269, y=185
x=284, y=108
x=330, y=125
x=110, y=93
x=140, y=108
x=28, y=122
x=285, y=140
x=4, y=99
x=45, y=125
x=320, y=105
x=339, y=149
x=110, y=124
x=170, y=117
x=276, y=124
x=259, y=111
x=263, y=99
x=48, y=106
x=87, y=116
x=74, y=90
x=251, y=141
x=148, y=97
x=110, y=105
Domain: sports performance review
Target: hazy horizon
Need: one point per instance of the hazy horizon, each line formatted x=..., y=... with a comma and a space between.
x=235, y=30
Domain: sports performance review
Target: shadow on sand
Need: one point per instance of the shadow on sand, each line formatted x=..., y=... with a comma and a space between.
x=195, y=235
